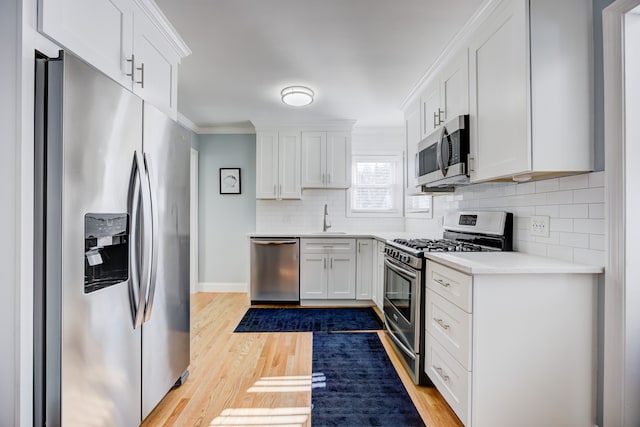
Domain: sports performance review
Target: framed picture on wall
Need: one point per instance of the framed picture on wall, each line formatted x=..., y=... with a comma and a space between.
x=230, y=181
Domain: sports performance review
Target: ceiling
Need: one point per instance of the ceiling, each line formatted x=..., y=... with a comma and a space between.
x=361, y=57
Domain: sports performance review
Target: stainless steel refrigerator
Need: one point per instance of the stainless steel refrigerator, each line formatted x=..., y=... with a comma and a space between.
x=111, y=314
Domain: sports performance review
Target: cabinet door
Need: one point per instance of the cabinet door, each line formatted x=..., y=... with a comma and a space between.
x=314, y=159
x=266, y=165
x=430, y=109
x=365, y=271
x=412, y=134
x=342, y=276
x=156, y=66
x=380, y=266
x=454, y=87
x=99, y=31
x=499, y=87
x=289, y=165
x=338, y=163
x=313, y=276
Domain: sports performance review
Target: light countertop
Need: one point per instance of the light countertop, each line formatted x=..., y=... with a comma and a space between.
x=509, y=263
x=386, y=235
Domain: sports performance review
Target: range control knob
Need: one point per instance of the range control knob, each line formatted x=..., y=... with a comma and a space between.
x=405, y=258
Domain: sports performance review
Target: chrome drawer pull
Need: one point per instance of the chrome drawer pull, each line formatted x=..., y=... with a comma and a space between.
x=441, y=373
x=442, y=282
x=441, y=323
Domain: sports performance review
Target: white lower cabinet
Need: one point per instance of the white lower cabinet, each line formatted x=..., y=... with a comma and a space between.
x=327, y=268
x=512, y=349
x=377, y=289
x=365, y=271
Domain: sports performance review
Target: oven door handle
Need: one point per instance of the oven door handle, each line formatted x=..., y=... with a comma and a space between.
x=400, y=270
x=399, y=343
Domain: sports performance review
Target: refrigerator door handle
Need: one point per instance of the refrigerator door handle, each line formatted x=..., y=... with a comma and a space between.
x=154, y=241
x=139, y=274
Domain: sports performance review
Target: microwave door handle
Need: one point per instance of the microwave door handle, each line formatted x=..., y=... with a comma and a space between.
x=443, y=132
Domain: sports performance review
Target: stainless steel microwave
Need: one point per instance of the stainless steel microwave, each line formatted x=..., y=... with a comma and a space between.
x=441, y=160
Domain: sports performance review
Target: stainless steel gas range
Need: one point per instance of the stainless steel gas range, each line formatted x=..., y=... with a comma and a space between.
x=404, y=272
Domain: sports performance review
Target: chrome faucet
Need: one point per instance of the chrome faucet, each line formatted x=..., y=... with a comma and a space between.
x=325, y=224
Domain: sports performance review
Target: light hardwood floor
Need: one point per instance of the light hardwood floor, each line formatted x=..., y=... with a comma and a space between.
x=257, y=378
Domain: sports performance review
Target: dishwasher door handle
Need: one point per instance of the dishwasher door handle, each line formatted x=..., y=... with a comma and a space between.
x=275, y=242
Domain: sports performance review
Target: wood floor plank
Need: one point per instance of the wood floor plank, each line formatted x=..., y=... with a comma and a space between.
x=264, y=377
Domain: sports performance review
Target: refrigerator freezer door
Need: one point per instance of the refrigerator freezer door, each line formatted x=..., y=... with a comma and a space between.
x=94, y=128
x=165, y=333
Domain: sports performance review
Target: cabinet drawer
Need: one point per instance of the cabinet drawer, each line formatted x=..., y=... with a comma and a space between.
x=450, y=326
x=328, y=245
x=449, y=377
x=450, y=284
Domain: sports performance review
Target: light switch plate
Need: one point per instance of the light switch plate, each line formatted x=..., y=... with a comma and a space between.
x=539, y=226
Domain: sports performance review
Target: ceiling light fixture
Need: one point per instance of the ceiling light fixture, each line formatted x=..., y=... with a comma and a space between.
x=297, y=96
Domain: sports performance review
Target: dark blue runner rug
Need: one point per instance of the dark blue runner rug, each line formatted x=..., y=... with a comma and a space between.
x=355, y=384
x=309, y=320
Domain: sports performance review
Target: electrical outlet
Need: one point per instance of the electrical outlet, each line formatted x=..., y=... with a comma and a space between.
x=539, y=226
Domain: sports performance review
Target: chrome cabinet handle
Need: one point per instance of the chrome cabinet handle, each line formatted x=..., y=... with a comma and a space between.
x=435, y=115
x=440, y=119
x=328, y=178
x=440, y=372
x=280, y=190
x=470, y=161
x=441, y=323
x=132, y=61
x=141, y=69
x=323, y=181
x=325, y=263
x=442, y=282
x=331, y=263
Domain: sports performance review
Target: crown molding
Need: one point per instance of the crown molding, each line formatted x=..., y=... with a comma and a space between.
x=184, y=121
x=227, y=130
x=151, y=9
x=457, y=42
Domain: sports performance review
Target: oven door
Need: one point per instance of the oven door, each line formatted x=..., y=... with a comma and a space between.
x=402, y=302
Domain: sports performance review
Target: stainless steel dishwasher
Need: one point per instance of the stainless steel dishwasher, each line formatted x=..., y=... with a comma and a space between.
x=275, y=270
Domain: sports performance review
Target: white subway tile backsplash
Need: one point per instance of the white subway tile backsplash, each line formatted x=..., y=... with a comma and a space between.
x=575, y=240
x=574, y=211
x=550, y=210
x=526, y=188
x=596, y=210
x=574, y=182
x=596, y=179
x=547, y=185
x=591, y=226
x=596, y=242
x=588, y=256
x=559, y=197
x=561, y=225
x=560, y=252
x=553, y=239
x=589, y=195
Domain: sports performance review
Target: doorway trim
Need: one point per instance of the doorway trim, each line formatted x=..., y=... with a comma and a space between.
x=616, y=316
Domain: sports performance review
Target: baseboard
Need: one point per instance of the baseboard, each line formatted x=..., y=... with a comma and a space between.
x=223, y=287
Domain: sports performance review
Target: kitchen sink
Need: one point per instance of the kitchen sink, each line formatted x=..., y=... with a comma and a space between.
x=323, y=233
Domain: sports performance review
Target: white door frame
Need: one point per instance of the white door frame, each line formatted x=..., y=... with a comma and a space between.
x=621, y=361
x=194, y=184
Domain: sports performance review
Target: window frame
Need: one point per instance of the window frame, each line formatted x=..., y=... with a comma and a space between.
x=397, y=187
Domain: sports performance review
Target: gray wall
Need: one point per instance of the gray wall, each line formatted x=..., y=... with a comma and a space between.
x=9, y=176
x=224, y=220
x=598, y=77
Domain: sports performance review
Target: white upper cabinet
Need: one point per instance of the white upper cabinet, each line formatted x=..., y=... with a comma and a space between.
x=124, y=40
x=446, y=95
x=454, y=87
x=326, y=158
x=531, y=91
x=155, y=74
x=278, y=165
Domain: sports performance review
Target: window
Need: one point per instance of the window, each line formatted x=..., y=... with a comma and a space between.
x=376, y=185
